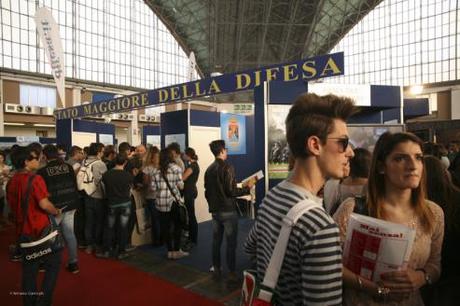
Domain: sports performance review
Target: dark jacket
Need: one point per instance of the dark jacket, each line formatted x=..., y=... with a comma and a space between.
x=61, y=183
x=220, y=187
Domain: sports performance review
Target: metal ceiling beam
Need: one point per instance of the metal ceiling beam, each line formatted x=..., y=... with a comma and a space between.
x=264, y=35
x=288, y=32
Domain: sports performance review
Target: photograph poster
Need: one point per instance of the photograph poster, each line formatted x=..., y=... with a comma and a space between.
x=278, y=149
x=233, y=132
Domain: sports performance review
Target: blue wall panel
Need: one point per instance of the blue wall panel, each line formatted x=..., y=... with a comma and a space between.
x=149, y=130
x=286, y=92
x=416, y=107
x=392, y=114
x=203, y=118
x=385, y=96
x=174, y=123
x=367, y=115
x=64, y=133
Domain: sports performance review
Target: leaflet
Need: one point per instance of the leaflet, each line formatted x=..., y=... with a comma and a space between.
x=374, y=246
x=258, y=176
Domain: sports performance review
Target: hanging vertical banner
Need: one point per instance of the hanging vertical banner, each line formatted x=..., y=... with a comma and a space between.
x=48, y=30
x=191, y=66
x=233, y=132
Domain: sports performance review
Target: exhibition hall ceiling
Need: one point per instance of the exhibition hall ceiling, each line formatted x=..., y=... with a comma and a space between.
x=234, y=35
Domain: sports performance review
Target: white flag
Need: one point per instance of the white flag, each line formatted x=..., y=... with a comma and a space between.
x=191, y=66
x=48, y=30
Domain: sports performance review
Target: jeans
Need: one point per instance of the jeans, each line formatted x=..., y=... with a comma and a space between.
x=193, y=225
x=67, y=225
x=117, y=226
x=95, y=217
x=79, y=223
x=132, y=220
x=155, y=217
x=224, y=223
x=44, y=296
x=169, y=225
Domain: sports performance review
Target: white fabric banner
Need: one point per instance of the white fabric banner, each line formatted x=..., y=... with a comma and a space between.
x=48, y=30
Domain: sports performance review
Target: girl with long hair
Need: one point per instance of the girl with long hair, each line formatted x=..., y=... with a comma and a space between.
x=170, y=227
x=151, y=164
x=396, y=193
x=190, y=177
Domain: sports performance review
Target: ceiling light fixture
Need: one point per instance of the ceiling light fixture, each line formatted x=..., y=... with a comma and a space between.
x=416, y=89
x=14, y=124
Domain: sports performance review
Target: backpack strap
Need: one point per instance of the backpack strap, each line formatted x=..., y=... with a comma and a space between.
x=277, y=258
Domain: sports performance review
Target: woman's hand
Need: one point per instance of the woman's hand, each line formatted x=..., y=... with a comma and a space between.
x=403, y=282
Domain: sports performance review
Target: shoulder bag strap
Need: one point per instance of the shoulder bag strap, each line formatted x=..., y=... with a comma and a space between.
x=169, y=187
x=276, y=260
x=25, y=201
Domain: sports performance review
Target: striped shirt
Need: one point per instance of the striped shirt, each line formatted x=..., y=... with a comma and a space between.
x=311, y=273
x=164, y=198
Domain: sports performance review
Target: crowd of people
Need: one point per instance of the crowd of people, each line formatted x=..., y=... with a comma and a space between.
x=89, y=194
x=403, y=181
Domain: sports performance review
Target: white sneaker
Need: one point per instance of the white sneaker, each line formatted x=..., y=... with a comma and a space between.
x=180, y=254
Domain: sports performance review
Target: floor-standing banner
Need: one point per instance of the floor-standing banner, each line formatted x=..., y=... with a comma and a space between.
x=48, y=30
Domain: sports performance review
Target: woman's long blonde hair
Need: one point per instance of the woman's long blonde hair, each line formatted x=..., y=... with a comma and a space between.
x=376, y=191
x=153, y=150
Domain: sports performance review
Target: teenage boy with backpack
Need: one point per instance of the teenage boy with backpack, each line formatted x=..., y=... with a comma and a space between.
x=89, y=180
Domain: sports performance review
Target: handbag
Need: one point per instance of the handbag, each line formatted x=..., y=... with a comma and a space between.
x=178, y=208
x=50, y=239
x=255, y=293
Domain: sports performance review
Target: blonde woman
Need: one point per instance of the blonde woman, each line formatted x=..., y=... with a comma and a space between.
x=396, y=194
x=151, y=164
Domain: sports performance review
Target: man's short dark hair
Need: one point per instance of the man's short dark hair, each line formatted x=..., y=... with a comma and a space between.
x=217, y=146
x=95, y=148
x=36, y=148
x=120, y=159
x=20, y=155
x=50, y=151
x=174, y=146
x=313, y=115
x=124, y=148
x=74, y=150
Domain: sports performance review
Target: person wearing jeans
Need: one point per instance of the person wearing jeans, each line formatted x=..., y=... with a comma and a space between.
x=60, y=181
x=95, y=208
x=224, y=223
x=117, y=215
x=221, y=192
x=117, y=185
x=66, y=221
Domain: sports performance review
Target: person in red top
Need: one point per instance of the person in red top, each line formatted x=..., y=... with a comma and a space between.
x=26, y=161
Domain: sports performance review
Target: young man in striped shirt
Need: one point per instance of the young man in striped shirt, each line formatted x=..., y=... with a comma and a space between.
x=311, y=273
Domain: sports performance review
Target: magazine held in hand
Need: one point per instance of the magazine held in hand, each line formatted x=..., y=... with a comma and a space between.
x=375, y=246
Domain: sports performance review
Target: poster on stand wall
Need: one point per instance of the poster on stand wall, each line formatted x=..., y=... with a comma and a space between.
x=155, y=141
x=233, y=132
x=278, y=149
x=106, y=139
x=179, y=138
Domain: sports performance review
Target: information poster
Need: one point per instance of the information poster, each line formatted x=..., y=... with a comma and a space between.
x=154, y=140
x=233, y=132
x=106, y=139
x=179, y=138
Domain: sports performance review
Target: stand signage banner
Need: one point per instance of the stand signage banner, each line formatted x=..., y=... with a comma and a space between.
x=233, y=132
x=308, y=69
x=48, y=30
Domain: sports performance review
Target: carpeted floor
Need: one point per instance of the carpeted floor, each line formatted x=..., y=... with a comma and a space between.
x=200, y=256
x=100, y=282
